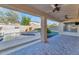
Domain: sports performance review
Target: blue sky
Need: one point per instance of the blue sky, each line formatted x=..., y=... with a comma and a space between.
x=33, y=18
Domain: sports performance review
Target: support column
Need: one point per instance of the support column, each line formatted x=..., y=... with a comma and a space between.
x=44, y=29
x=61, y=27
x=78, y=30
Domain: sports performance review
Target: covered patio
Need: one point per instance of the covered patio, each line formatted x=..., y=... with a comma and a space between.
x=59, y=44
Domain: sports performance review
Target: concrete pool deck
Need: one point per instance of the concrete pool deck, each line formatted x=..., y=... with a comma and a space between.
x=11, y=45
x=57, y=45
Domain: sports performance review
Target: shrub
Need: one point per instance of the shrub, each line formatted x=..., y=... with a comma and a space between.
x=48, y=31
x=25, y=20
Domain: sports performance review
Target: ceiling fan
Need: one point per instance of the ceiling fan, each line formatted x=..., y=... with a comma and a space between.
x=70, y=17
x=55, y=7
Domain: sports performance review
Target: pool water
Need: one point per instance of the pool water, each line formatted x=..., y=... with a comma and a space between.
x=8, y=37
x=12, y=36
x=52, y=34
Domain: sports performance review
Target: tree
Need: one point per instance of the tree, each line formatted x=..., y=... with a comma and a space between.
x=52, y=25
x=25, y=20
x=11, y=16
x=8, y=16
x=1, y=17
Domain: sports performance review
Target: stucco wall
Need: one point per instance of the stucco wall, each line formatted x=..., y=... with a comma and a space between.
x=61, y=27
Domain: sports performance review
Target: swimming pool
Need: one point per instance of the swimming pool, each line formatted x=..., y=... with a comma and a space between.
x=8, y=36
x=52, y=34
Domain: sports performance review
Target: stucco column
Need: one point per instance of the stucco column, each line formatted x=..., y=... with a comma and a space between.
x=78, y=29
x=61, y=27
x=44, y=29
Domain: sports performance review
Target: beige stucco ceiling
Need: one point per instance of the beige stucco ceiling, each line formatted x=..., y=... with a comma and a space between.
x=68, y=9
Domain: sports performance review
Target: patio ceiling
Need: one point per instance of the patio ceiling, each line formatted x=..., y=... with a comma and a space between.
x=27, y=9
x=72, y=10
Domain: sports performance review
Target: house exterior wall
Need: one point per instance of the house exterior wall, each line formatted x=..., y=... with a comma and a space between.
x=61, y=30
x=17, y=28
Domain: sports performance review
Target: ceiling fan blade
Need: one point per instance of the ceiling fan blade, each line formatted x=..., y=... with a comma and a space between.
x=54, y=10
x=58, y=8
